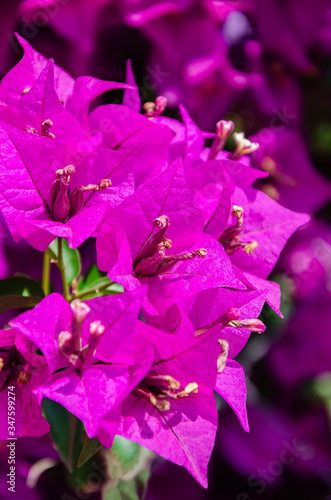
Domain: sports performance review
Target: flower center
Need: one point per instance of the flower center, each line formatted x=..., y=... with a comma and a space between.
x=159, y=389
x=45, y=126
x=152, y=260
x=155, y=109
x=244, y=146
x=230, y=238
x=70, y=343
x=61, y=203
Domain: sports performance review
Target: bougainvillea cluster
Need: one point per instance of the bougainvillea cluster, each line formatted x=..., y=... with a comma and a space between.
x=178, y=227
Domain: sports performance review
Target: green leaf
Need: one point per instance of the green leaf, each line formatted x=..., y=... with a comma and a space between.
x=96, y=284
x=90, y=448
x=124, y=455
x=71, y=260
x=92, y=275
x=19, y=292
x=80, y=454
x=133, y=489
x=128, y=489
x=67, y=432
x=112, y=493
x=20, y=285
x=321, y=387
x=17, y=302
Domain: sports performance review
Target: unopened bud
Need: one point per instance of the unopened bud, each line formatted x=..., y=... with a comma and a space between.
x=64, y=341
x=155, y=109
x=96, y=331
x=224, y=129
x=79, y=310
x=46, y=124
x=30, y=130
x=96, y=328
x=76, y=200
x=237, y=211
x=233, y=313
x=254, y=325
x=162, y=222
x=160, y=104
x=104, y=183
x=64, y=173
x=149, y=107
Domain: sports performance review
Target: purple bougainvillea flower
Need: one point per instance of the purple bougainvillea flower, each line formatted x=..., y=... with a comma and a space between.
x=25, y=73
x=122, y=127
x=257, y=229
x=54, y=315
x=131, y=98
x=20, y=372
x=39, y=161
x=89, y=392
x=265, y=222
x=172, y=410
x=160, y=216
x=223, y=317
x=223, y=190
x=143, y=361
x=75, y=94
x=36, y=199
x=70, y=341
x=208, y=307
x=40, y=111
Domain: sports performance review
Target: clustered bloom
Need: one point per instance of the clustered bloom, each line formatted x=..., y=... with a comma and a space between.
x=176, y=223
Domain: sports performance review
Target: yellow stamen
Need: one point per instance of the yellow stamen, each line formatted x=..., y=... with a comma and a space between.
x=250, y=247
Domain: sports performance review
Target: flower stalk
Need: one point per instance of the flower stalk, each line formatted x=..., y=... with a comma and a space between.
x=61, y=266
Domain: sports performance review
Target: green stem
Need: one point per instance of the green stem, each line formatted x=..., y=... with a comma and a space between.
x=60, y=265
x=88, y=291
x=46, y=273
